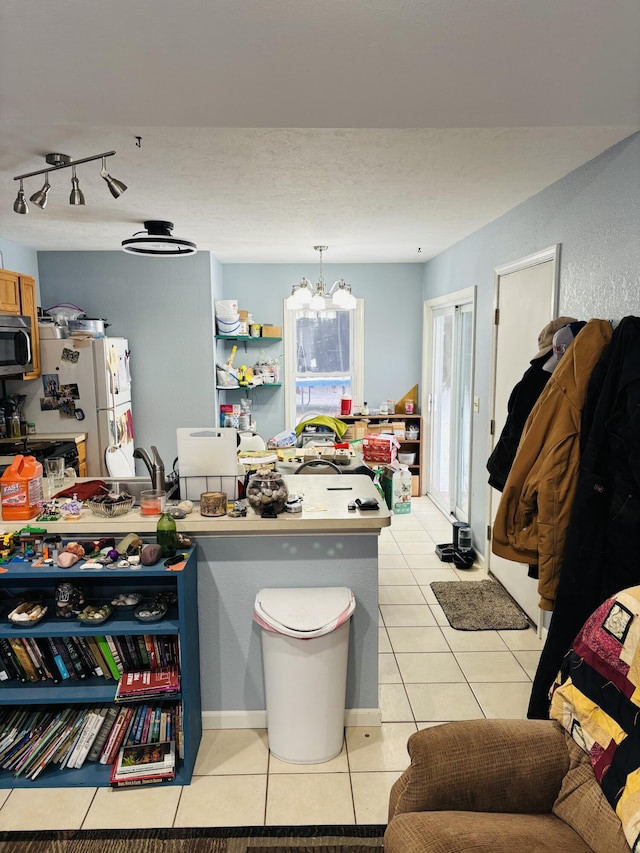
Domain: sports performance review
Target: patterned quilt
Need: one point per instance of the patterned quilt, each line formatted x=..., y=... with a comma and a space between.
x=596, y=697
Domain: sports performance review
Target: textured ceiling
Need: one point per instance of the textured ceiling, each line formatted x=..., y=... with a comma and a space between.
x=268, y=126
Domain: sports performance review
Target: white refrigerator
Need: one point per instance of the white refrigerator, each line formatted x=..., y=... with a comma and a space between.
x=85, y=386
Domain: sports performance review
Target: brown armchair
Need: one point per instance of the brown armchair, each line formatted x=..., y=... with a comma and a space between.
x=499, y=786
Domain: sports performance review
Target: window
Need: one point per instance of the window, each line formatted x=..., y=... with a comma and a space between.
x=323, y=360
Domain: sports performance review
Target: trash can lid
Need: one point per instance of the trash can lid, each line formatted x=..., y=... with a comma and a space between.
x=304, y=612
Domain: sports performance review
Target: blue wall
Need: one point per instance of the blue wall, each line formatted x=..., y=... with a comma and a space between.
x=19, y=259
x=392, y=316
x=594, y=213
x=163, y=307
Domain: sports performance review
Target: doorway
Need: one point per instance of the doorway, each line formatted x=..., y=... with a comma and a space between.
x=525, y=300
x=448, y=365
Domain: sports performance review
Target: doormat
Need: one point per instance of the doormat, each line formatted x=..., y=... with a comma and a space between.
x=246, y=839
x=479, y=606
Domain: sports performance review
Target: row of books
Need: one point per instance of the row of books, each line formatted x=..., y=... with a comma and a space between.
x=33, y=738
x=107, y=656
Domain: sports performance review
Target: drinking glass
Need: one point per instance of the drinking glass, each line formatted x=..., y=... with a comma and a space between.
x=54, y=466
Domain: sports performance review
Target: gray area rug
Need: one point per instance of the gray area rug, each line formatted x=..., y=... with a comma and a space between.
x=479, y=606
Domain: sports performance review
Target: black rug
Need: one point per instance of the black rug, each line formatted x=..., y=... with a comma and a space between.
x=277, y=839
x=479, y=606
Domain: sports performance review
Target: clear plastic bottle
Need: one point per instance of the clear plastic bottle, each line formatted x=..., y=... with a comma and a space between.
x=166, y=535
x=14, y=426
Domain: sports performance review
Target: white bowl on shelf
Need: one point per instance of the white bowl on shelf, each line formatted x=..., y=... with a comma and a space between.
x=406, y=458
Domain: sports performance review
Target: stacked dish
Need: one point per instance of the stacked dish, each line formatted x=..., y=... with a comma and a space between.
x=228, y=324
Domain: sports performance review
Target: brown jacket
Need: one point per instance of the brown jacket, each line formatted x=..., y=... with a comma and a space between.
x=533, y=514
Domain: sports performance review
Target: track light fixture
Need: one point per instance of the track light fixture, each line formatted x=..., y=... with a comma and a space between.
x=304, y=295
x=63, y=161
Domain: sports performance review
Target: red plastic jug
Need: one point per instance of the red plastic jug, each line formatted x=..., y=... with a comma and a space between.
x=21, y=489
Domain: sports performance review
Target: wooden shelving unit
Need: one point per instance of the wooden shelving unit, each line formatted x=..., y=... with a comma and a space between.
x=102, y=585
x=406, y=445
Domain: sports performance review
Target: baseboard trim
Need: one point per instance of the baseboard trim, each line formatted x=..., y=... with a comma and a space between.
x=258, y=719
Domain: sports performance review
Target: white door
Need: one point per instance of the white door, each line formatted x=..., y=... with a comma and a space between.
x=525, y=301
x=449, y=354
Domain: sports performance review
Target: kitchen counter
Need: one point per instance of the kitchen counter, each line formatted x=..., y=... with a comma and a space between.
x=78, y=437
x=324, y=546
x=324, y=510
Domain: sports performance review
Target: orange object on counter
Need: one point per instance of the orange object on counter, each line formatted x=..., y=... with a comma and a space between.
x=21, y=489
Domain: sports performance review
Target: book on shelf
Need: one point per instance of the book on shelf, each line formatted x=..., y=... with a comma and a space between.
x=96, y=651
x=161, y=683
x=108, y=657
x=131, y=781
x=23, y=658
x=116, y=735
x=103, y=734
x=145, y=759
x=95, y=721
x=63, y=655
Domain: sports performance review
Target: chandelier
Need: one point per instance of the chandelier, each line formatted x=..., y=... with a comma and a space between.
x=304, y=295
x=63, y=161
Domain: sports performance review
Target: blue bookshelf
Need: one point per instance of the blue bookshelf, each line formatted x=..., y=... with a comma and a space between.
x=102, y=585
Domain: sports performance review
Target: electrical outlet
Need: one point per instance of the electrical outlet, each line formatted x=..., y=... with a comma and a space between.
x=476, y=404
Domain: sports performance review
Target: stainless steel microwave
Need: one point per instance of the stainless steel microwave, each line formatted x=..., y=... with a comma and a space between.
x=16, y=350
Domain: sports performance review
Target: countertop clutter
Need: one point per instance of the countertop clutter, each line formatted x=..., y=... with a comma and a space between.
x=325, y=508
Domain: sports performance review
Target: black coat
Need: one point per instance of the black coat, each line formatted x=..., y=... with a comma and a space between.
x=601, y=555
x=521, y=401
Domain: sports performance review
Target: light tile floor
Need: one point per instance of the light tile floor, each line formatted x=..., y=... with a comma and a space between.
x=429, y=673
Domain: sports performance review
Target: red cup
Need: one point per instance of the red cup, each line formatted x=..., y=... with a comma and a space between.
x=345, y=406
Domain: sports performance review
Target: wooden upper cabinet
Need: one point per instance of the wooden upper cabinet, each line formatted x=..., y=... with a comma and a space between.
x=29, y=308
x=10, y=292
x=18, y=296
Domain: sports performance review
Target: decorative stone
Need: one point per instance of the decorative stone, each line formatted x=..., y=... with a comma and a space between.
x=186, y=506
x=150, y=554
x=66, y=559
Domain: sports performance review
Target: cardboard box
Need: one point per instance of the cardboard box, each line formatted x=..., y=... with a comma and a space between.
x=271, y=331
x=415, y=486
x=244, y=315
x=382, y=449
x=396, y=486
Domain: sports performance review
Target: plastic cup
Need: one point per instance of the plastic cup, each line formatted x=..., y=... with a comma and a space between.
x=54, y=466
x=153, y=502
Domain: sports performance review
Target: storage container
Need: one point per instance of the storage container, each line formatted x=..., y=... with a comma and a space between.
x=305, y=650
x=21, y=488
x=226, y=306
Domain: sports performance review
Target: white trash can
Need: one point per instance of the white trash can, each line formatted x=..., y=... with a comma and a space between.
x=305, y=646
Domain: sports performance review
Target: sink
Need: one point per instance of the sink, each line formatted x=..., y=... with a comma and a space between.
x=135, y=485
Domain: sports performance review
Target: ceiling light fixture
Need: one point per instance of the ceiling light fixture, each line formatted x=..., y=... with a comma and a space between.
x=116, y=188
x=20, y=204
x=304, y=295
x=77, y=196
x=39, y=197
x=158, y=242
x=63, y=161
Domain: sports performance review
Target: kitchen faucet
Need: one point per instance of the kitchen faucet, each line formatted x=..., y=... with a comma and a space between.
x=155, y=469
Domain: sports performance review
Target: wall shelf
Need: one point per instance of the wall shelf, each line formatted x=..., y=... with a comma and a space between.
x=248, y=387
x=247, y=339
